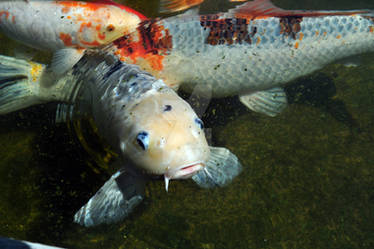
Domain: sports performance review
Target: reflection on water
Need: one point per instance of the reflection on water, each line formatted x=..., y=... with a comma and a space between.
x=308, y=180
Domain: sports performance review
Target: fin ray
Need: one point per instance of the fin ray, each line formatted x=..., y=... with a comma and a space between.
x=19, y=83
x=114, y=201
x=222, y=167
x=270, y=102
x=64, y=59
x=170, y=6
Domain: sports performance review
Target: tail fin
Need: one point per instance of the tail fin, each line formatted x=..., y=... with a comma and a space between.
x=19, y=84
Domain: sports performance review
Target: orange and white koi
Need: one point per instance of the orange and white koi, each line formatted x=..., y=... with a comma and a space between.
x=66, y=27
x=250, y=51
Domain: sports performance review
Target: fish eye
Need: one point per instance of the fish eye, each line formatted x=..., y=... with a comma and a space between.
x=167, y=108
x=110, y=28
x=143, y=139
x=199, y=123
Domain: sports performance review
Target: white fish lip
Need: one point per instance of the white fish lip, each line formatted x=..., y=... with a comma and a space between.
x=185, y=171
x=182, y=172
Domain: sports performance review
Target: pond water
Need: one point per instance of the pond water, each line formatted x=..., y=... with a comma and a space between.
x=307, y=180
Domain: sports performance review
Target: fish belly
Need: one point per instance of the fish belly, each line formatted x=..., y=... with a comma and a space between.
x=233, y=56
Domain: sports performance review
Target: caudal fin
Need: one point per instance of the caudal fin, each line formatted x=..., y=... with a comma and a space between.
x=19, y=84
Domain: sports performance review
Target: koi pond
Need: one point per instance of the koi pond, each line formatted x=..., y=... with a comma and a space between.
x=307, y=179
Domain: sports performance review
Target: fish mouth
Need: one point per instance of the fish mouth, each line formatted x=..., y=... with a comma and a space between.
x=183, y=172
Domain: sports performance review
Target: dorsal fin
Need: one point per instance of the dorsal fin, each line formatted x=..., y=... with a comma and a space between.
x=265, y=8
x=170, y=6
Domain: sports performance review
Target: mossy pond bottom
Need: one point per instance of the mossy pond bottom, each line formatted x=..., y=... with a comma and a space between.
x=307, y=180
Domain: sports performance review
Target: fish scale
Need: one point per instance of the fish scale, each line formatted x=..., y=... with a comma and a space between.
x=271, y=59
x=252, y=50
x=32, y=33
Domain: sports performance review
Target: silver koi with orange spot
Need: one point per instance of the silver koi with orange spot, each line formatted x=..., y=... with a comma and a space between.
x=66, y=27
x=251, y=51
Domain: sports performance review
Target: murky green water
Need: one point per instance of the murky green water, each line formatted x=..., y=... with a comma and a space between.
x=308, y=179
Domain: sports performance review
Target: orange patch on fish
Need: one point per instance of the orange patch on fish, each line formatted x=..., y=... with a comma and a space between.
x=297, y=45
x=84, y=5
x=99, y=34
x=5, y=13
x=66, y=39
x=258, y=40
x=301, y=36
x=155, y=61
x=80, y=18
x=65, y=10
x=82, y=28
x=84, y=25
x=154, y=41
x=13, y=19
x=338, y=36
x=36, y=70
x=371, y=29
x=317, y=33
x=91, y=44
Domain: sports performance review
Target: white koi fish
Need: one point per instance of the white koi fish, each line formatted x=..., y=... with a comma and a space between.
x=66, y=27
x=151, y=129
x=252, y=50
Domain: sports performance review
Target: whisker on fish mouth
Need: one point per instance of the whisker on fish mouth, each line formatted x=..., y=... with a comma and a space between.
x=167, y=179
x=183, y=172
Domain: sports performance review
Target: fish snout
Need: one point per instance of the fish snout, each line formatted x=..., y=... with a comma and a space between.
x=185, y=171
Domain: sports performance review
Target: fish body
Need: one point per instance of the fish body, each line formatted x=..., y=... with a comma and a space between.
x=250, y=51
x=130, y=108
x=72, y=25
x=153, y=131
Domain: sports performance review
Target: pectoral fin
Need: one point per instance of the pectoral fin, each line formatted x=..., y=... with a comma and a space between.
x=222, y=167
x=64, y=59
x=114, y=201
x=270, y=102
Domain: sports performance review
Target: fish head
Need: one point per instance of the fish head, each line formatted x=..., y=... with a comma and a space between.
x=117, y=21
x=166, y=137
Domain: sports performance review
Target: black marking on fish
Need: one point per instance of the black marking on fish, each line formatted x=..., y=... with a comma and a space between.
x=143, y=139
x=167, y=108
x=290, y=25
x=227, y=31
x=199, y=123
x=112, y=69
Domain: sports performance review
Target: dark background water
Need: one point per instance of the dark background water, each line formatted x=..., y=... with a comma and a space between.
x=308, y=178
